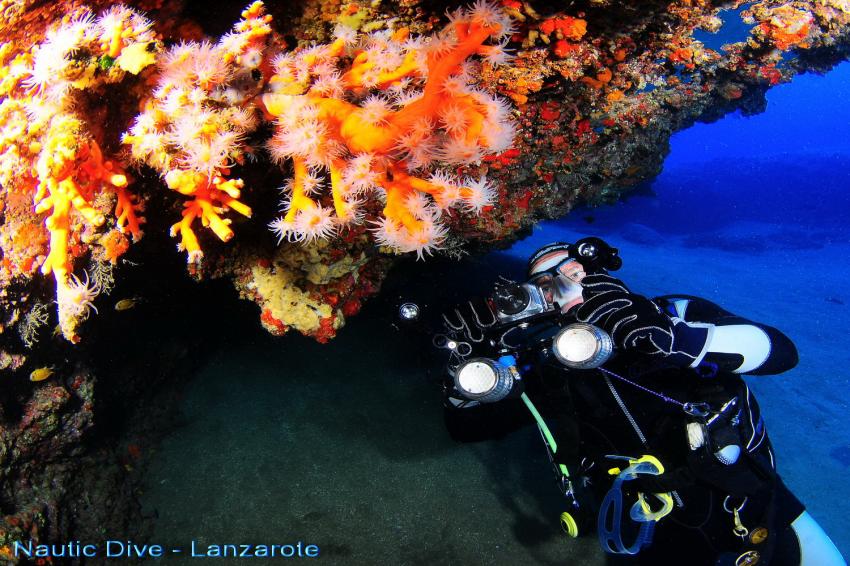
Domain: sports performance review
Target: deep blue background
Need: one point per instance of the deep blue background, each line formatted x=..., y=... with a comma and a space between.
x=789, y=166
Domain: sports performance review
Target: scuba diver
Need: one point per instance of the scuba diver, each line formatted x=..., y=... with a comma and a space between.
x=657, y=442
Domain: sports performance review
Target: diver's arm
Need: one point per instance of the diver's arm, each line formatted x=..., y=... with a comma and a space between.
x=706, y=335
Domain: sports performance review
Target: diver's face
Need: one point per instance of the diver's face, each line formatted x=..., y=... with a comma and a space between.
x=568, y=284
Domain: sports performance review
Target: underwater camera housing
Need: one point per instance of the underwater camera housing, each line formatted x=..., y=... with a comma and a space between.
x=514, y=302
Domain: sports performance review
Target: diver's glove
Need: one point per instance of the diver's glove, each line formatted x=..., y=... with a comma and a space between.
x=633, y=321
x=469, y=321
x=597, y=283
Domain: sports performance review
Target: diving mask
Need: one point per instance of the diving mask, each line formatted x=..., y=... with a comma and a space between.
x=562, y=284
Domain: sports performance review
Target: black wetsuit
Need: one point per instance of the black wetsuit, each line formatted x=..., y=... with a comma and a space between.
x=593, y=414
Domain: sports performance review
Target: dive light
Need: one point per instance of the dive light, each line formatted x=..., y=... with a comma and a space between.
x=484, y=380
x=409, y=312
x=582, y=346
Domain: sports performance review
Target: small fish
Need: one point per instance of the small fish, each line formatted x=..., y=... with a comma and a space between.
x=589, y=219
x=41, y=374
x=127, y=304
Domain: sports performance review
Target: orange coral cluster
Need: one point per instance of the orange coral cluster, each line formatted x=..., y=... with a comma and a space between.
x=795, y=24
x=786, y=27
x=193, y=127
x=375, y=114
x=372, y=131
x=47, y=152
x=564, y=27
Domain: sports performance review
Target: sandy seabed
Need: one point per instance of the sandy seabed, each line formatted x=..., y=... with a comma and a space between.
x=343, y=446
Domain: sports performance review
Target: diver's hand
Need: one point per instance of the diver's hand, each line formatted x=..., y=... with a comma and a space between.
x=633, y=321
x=598, y=283
x=469, y=321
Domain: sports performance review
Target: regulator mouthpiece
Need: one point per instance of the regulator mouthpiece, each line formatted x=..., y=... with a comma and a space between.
x=484, y=380
x=582, y=346
x=408, y=312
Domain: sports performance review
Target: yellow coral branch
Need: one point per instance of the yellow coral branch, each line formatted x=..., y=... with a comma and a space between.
x=211, y=198
x=59, y=225
x=336, y=167
x=299, y=200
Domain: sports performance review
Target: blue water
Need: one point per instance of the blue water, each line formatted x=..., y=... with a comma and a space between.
x=344, y=446
x=734, y=29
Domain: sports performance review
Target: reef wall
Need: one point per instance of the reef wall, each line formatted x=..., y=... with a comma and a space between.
x=390, y=128
x=299, y=151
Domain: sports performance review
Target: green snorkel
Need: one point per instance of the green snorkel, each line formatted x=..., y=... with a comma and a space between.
x=568, y=520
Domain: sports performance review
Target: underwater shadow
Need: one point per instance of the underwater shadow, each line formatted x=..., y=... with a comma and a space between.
x=521, y=479
x=385, y=379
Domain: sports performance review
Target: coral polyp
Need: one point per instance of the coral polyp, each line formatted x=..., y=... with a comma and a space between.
x=76, y=300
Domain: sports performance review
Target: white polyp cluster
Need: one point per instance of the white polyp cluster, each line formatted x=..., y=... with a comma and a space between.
x=479, y=194
x=202, y=107
x=425, y=239
x=360, y=175
x=376, y=109
x=310, y=224
x=120, y=18
x=492, y=16
x=450, y=190
x=51, y=76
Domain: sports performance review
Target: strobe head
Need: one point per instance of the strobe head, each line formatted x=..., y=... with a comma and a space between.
x=484, y=380
x=582, y=346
